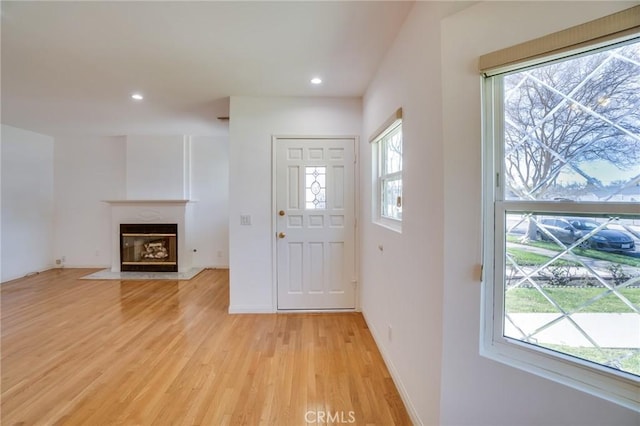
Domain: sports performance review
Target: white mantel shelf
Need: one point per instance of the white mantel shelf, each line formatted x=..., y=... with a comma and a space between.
x=148, y=201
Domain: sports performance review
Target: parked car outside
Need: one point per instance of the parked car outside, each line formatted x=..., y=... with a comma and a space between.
x=605, y=239
x=569, y=230
x=559, y=228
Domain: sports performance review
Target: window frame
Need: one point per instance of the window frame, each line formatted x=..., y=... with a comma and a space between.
x=379, y=145
x=618, y=387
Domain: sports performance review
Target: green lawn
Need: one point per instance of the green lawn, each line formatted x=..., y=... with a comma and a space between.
x=530, y=300
x=594, y=254
x=629, y=359
x=526, y=258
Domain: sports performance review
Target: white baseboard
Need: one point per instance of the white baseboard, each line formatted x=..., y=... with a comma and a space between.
x=37, y=271
x=83, y=267
x=214, y=267
x=67, y=266
x=109, y=267
x=316, y=311
x=411, y=410
x=244, y=309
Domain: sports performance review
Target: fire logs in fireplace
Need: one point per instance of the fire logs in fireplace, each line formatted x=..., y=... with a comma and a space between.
x=149, y=247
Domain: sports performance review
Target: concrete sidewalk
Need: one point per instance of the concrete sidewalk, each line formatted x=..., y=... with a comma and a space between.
x=607, y=330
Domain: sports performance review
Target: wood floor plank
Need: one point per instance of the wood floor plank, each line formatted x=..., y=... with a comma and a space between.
x=85, y=352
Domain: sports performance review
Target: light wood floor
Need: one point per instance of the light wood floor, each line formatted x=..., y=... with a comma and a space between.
x=79, y=352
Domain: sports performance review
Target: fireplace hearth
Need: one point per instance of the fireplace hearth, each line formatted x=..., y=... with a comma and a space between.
x=149, y=247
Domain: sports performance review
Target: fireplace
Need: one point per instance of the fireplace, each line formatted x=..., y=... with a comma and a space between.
x=149, y=247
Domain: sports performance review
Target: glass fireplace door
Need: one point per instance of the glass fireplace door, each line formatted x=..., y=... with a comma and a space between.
x=149, y=247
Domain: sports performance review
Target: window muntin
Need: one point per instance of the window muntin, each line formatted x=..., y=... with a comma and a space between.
x=563, y=153
x=389, y=176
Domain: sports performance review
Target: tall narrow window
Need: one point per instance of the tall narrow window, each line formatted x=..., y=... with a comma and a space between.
x=387, y=166
x=563, y=216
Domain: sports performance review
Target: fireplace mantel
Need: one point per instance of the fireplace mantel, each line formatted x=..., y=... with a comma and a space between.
x=141, y=211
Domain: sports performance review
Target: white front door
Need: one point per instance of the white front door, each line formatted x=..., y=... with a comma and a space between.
x=315, y=223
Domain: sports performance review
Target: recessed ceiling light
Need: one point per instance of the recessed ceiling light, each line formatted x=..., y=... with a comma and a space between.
x=316, y=80
x=137, y=96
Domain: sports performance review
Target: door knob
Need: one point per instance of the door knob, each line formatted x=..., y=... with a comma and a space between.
x=282, y=235
x=281, y=212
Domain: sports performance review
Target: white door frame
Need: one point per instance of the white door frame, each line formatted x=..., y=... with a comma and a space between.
x=274, y=250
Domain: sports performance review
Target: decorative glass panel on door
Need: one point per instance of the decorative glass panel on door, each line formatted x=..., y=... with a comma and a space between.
x=315, y=188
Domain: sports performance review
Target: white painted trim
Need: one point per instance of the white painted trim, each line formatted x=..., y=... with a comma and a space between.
x=247, y=309
x=314, y=136
x=316, y=311
x=274, y=247
x=356, y=245
x=225, y=266
x=356, y=199
x=37, y=271
x=211, y=266
x=390, y=224
x=395, y=376
x=65, y=266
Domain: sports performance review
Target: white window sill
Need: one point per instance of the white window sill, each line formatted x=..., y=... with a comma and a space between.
x=619, y=388
x=390, y=224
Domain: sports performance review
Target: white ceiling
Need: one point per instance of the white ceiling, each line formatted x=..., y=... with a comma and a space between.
x=70, y=67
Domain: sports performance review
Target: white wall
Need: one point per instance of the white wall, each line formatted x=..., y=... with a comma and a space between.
x=91, y=169
x=402, y=285
x=158, y=167
x=87, y=171
x=425, y=281
x=475, y=390
x=210, y=189
x=27, y=202
x=253, y=123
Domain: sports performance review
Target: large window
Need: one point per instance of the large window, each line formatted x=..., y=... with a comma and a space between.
x=387, y=158
x=562, y=236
